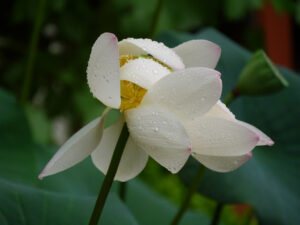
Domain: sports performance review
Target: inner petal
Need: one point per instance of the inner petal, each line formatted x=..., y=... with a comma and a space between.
x=138, y=74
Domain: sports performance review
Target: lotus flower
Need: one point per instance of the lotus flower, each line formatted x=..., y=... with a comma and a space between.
x=169, y=99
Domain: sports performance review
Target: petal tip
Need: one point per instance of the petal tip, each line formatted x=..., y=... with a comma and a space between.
x=270, y=142
x=111, y=36
x=181, y=66
x=114, y=38
x=218, y=48
x=250, y=154
x=256, y=137
x=41, y=176
x=189, y=149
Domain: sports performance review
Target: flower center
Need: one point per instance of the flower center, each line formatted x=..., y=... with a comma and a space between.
x=131, y=93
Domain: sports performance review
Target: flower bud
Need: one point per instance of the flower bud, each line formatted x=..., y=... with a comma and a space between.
x=260, y=76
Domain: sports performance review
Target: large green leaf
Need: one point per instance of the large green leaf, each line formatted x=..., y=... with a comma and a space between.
x=270, y=180
x=149, y=208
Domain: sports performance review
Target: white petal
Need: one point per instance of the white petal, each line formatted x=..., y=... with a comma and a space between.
x=131, y=46
x=103, y=72
x=133, y=160
x=77, y=148
x=220, y=110
x=144, y=72
x=263, y=138
x=160, y=134
x=222, y=163
x=199, y=53
x=188, y=93
x=219, y=137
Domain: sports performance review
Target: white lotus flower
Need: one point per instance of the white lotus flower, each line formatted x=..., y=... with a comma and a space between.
x=170, y=102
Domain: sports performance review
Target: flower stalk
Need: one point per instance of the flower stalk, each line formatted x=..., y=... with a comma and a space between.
x=217, y=214
x=108, y=180
x=192, y=189
x=156, y=18
x=122, y=191
x=32, y=51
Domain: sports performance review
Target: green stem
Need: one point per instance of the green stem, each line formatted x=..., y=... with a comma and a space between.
x=249, y=217
x=108, y=180
x=217, y=214
x=191, y=190
x=122, y=191
x=156, y=18
x=32, y=50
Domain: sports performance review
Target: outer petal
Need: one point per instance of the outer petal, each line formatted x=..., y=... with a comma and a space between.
x=188, y=93
x=144, y=72
x=131, y=46
x=263, y=138
x=160, y=134
x=103, y=72
x=219, y=137
x=77, y=148
x=220, y=110
x=133, y=160
x=198, y=53
x=222, y=163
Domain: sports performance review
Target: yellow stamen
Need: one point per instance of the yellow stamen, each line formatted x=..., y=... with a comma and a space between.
x=125, y=59
x=156, y=60
x=131, y=95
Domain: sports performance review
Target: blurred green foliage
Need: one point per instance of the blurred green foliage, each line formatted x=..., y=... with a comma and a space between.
x=59, y=88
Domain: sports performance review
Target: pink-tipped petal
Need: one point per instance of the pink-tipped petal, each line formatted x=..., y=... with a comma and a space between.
x=188, y=93
x=160, y=134
x=103, y=72
x=263, y=139
x=77, y=148
x=219, y=137
x=221, y=111
x=131, y=46
x=199, y=53
x=222, y=163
